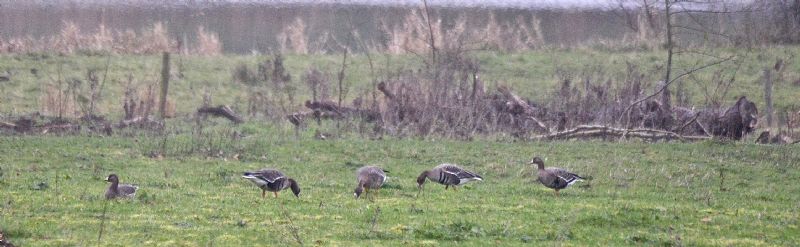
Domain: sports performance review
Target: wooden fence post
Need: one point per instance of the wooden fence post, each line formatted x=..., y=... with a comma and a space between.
x=164, y=84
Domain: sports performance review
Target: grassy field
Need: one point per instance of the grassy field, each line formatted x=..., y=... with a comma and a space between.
x=533, y=74
x=700, y=194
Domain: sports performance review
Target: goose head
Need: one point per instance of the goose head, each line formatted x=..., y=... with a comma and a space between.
x=112, y=178
x=358, y=191
x=538, y=162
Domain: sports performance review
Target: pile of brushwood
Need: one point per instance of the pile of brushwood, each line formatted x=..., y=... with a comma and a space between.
x=410, y=108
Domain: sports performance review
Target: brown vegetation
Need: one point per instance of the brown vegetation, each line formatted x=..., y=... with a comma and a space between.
x=153, y=40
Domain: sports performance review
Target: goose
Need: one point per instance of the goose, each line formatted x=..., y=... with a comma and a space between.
x=369, y=177
x=117, y=190
x=447, y=174
x=554, y=177
x=272, y=180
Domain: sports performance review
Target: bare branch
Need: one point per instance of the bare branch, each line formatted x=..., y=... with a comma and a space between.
x=673, y=80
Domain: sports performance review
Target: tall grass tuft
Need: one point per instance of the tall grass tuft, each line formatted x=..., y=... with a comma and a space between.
x=208, y=43
x=293, y=37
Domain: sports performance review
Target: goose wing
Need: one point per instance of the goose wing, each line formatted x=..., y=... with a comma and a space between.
x=264, y=178
x=266, y=175
x=460, y=173
x=371, y=175
x=564, y=176
x=128, y=190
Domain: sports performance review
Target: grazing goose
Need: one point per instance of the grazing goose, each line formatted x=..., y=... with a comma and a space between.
x=272, y=180
x=116, y=190
x=447, y=174
x=554, y=177
x=369, y=177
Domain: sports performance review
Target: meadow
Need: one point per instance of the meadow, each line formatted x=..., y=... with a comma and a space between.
x=536, y=75
x=709, y=193
x=469, y=87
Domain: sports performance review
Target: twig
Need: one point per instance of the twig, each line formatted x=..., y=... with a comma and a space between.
x=375, y=218
x=687, y=123
x=721, y=179
x=430, y=31
x=103, y=82
x=294, y=230
x=102, y=221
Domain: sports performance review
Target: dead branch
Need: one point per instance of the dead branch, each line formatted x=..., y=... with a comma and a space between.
x=595, y=131
x=515, y=105
x=688, y=72
x=7, y=125
x=221, y=111
x=694, y=119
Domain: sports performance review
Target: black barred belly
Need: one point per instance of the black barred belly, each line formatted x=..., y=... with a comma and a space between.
x=276, y=186
x=447, y=179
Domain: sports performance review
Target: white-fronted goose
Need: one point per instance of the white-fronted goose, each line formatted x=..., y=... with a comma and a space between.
x=272, y=180
x=447, y=174
x=117, y=190
x=554, y=177
x=369, y=177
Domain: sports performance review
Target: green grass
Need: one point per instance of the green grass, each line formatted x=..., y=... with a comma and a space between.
x=640, y=193
x=698, y=194
x=533, y=74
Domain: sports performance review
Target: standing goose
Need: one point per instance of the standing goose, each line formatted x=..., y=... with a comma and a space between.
x=554, y=177
x=272, y=180
x=369, y=177
x=116, y=190
x=447, y=174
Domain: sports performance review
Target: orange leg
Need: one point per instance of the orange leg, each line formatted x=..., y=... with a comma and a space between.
x=276, y=194
x=557, y=194
x=263, y=193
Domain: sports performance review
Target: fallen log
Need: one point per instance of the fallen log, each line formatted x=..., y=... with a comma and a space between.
x=596, y=131
x=326, y=105
x=298, y=118
x=221, y=111
x=61, y=128
x=141, y=122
